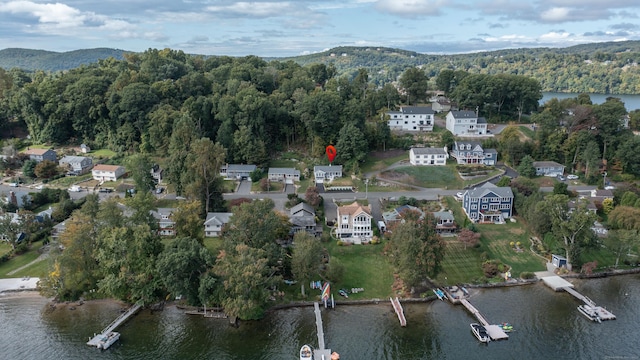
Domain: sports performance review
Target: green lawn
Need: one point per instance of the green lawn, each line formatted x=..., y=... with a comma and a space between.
x=460, y=265
x=102, y=153
x=371, y=164
x=527, y=131
x=496, y=241
x=21, y=260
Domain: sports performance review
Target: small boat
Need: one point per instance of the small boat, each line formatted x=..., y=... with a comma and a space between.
x=439, y=293
x=107, y=340
x=506, y=327
x=306, y=353
x=589, y=312
x=480, y=332
x=343, y=292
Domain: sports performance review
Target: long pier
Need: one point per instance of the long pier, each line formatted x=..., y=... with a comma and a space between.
x=320, y=352
x=399, y=311
x=495, y=332
x=95, y=341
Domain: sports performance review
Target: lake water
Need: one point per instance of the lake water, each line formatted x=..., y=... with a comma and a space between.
x=631, y=102
x=547, y=325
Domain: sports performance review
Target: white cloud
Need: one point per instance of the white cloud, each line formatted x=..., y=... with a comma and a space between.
x=557, y=14
x=59, y=14
x=555, y=36
x=411, y=8
x=254, y=9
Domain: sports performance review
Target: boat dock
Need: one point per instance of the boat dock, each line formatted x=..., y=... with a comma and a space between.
x=495, y=332
x=399, y=311
x=320, y=352
x=96, y=340
x=559, y=284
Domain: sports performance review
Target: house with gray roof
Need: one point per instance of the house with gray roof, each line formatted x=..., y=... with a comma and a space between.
x=166, y=226
x=488, y=203
x=548, y=168
x=445, y=222
x=466, y=123
x=412, y=118
x=285, y=175
x=322, y=173
x=471, y=152
x=237, y=171
x=303, y=218
x=428, y=156
x=40, y=155
x=215, y=222
x=76, y=165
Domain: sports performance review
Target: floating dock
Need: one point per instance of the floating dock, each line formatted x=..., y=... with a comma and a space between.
x=495, y=332
x=399, y=311
x=559, y=284
x=97, y=338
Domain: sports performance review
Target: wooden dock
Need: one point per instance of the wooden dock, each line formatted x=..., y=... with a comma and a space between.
x=399, y=311
x=95, y=341
x=559, y=284
x=495, y=332
x=320, y=352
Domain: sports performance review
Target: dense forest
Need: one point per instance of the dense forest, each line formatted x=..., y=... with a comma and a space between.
x=604, y=68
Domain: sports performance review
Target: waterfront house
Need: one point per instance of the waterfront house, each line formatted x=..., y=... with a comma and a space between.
x=428, y=156
x=411, y=118
x=302, y=218
x=102, y=172
x=471, y=152
x=466, y=123
x=396, y=215
x=285, y=175
x=40, y=155
x=76, y=165
x=445, y=222
x=548, y=168
x=488, y=203
x=354, y=223
x=322, y=173
x=215, y=223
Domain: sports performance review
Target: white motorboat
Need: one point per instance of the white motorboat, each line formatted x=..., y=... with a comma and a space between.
x=107, y=340
x=306, y=353
x=480, y=332
x=589, y=312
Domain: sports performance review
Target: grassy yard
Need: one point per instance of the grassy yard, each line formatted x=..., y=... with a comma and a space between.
x=426, y=176
x=36, y=270
x=527, y=131
x=372, y=164
x=460, y=265
x=102, y=153
x=496, y=241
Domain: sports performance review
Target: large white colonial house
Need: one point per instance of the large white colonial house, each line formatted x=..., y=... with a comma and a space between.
x=471, y=152
x=322, y=173
x=354, y=223
x=411, y=118
x=488, y=203
x=103, y=172
x=466, y=123
x=428, y=156
x=215, y=222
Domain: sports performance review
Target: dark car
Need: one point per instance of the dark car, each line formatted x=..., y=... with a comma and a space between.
x=105, y=190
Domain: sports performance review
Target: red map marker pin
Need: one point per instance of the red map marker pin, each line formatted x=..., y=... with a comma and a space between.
x=331, y=152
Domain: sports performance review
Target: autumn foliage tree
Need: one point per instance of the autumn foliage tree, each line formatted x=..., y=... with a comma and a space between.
x=468, y=238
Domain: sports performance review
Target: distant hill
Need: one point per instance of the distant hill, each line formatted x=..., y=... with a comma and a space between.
x=28, y=59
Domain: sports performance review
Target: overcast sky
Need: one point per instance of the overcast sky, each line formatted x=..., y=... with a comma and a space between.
x=296, y=27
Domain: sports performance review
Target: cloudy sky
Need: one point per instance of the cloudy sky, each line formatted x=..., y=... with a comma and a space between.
x=295, y=27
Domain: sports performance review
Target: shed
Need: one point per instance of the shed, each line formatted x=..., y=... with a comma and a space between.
x=558, y=261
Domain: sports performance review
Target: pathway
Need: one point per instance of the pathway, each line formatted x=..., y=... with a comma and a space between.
x=35, y=261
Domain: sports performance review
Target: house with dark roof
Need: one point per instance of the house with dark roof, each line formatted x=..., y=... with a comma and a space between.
x=215, y=222
x=76, y=165
x=303, y=218
x=466, y=123
x=396, y=215
x=471, y=152
x=40, y=155
x=411, y=118
x=445, y=222
x=166, y=226
x=548, y=168
x=488, y=203
x=428, y=156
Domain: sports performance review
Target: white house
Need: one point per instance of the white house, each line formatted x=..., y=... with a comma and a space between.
x=76, y=165
x=103, y=172
x=412, y=118
x=215, y=222
x=466, y=123
x=237, y=171
x=548, y=168
x=326, y=173
x=166, y=226
x=471, y=152
x=286, y=175
x=354, y=223
x=428, y=156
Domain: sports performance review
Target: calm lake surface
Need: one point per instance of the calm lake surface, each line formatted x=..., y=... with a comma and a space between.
x=631, y=102
x=548, y=326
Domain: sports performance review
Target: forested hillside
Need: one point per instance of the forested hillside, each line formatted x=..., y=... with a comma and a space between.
x=28, y=59
x=604, y=68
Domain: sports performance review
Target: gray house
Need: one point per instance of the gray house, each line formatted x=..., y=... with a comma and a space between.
x=76, y=165
x=302, y=218
x=237, y=171
x=215, y=222
x=548, y=168
x=41, y=154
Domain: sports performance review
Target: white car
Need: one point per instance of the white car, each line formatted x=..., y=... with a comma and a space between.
x=573, y=177
x=460, y=195
x=609, y=187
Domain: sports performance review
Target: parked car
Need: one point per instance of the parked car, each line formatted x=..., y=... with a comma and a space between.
x=13, y=184
x=159, y=190
x=573, y=177
x=609, y=187
x=561, y=178
x=105, y=190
